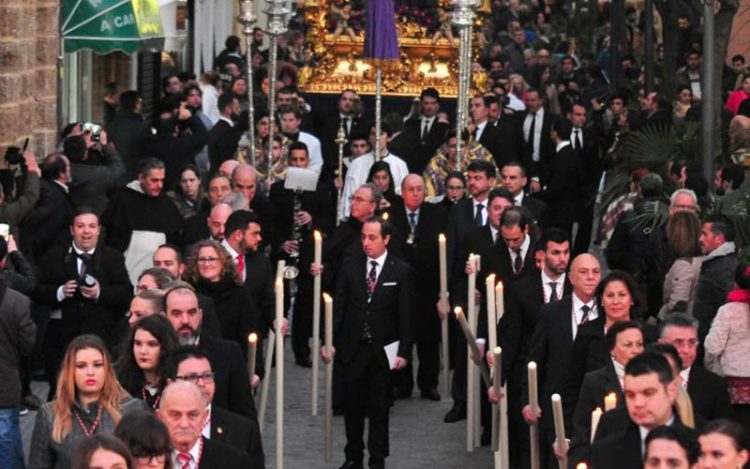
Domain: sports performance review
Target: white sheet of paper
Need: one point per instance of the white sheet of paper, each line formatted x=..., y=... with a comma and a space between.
x=140, y=251
x=301, y=179
x=391, y=351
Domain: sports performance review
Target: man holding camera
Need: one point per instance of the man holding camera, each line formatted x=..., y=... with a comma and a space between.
x=86, y=285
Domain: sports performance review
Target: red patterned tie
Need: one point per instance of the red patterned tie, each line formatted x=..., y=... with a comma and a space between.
x=241, y=265
x=184, y=460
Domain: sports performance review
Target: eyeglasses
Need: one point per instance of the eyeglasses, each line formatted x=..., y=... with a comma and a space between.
x=208, y=260
x=207, y=377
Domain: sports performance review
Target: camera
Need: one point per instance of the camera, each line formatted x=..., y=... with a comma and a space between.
x=86, y=281
x=14, y=155
x=93, y=129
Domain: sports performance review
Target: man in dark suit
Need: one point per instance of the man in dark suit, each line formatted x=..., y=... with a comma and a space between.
x=373, y=309
x=553, y=340
x=707, y=390
x=650, y=392
x=514, y=178
x=87, y=282
x=512, y=257
x=586, y=142
x=191, y=364
x=422, y=135
x=329, y=130
x=419, y=224
x=225, y=135
x=244, y=181
x=183, y=411
x=523, y=303
x=230, y=370
x=467, y=215
x=536, y=125
x=484, y=132
x=563, y=192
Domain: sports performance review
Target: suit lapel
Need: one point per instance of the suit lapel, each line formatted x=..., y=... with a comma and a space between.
x=567, y=318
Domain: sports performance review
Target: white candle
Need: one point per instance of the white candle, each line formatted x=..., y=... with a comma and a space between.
x=444, y=323
x=252, y=350
x=491, y=321
x=557, y=413
x=499, y=301
x=533, y=390
x=328, y=377
x=596, y=415
x=497, y=358
x=317, y=259
x=279, y=374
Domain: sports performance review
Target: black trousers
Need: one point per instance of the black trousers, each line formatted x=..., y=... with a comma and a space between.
x=366, y=382
x=458, y=356
x=427, y=373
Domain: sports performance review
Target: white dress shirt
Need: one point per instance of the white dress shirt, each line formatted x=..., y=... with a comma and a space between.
x=428, y=121
x=559, y=288
x=518, y=199
x=524, y=249
x=206, y=433
x=233, y=254
x=474, y=209
x=313, y=149
x=79, y=261
x=578, y=314
x=380, y=261
x=480, y=130
x=357, y=173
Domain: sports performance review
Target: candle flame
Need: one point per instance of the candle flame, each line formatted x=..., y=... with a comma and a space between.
x=316, y=235
x=581, y=465
x=532, y=365
x=457, y=310
x=500, y=285
x=441, y=238
x=497, y=350
x=327, y=298
x=252, y=338
x=491, y=278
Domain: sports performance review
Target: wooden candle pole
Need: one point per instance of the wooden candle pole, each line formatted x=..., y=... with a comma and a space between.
x=318, y=256
x=534, y=406
x=279, y=374
x=329, y=378
x=444, y=322
x=562, y=443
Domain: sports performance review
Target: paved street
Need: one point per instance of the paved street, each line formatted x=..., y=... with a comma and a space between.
x=418, y=437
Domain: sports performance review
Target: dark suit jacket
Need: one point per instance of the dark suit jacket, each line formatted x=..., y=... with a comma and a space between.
x=708, y=392
x=82, y=315
x=48, y=223
x=232, y=382
x=222, y=143
x=498, y=261
x=415, y=150
x=550, y=349
x=239, y=432
x=266, y=212
x=592, y=163
x=216, y=454
x=596, y=385
x=491, y=139
x=538, y=209
x=546, y=146
x=564, y=190
x=328, y=132
x=259, y=278
x=423, y=257
x=460, y=224
x=389, y=310
x=509, y=142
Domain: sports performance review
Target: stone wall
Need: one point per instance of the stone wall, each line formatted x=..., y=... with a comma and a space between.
x=28, y=87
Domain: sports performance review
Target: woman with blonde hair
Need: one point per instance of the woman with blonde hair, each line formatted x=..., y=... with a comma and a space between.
x=89, y=401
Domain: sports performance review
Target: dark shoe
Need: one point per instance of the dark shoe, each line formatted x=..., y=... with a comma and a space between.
x=352, y=465
x=430, y=394
x=457, y=413
x=32, y=402
x=401, y=393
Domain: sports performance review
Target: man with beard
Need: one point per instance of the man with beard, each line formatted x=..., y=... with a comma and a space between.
x=230, y=372
x=225, y=135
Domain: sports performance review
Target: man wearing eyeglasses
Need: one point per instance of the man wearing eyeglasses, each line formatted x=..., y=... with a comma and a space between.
x=707, y=390
x=230, y=373
x=193, y=365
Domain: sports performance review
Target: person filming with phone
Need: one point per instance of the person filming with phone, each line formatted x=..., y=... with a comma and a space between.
x=14, y=206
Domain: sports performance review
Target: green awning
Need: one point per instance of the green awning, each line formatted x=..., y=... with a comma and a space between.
x=107, y=25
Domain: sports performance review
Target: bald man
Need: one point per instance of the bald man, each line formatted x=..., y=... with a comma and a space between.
x=183, y=411
x=244, y=181
x=418, y=225
x=553, y=341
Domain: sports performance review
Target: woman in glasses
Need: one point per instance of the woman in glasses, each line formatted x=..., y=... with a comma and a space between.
x=90, y=401
x=141, y=366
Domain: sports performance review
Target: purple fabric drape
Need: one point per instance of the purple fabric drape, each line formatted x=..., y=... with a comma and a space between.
x=381, y=40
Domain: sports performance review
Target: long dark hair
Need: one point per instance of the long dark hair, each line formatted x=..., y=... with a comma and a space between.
x=627, y=279
x=131, y=376
x=87, y=448
x=383, y=166
x=145, y=435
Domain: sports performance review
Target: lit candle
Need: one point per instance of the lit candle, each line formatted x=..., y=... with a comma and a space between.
x=581, y=465
x=557, y=413
x=317, y=259
x=596, y=415
x=491, y=321
x=499, y=301
x=252, y=350
x=443, y=255
x=610, y=401
x=328, y=301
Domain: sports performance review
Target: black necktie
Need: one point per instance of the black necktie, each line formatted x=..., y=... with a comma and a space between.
x=585, y=317
x=346, y=121
x=577, y=144
x=518, y=262
x=85, y=259
x=478, y=220
x=425, y=129
x=553, y=292
x=372, y=278
x=530, y=140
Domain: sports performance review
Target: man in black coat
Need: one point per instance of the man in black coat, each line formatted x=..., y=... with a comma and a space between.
x=422, y=135
x=87, y=282
x=373, y=309
x=183, y=411
x=484, y=132
x=225, y=135
x=244, y=179
x=553, y=340
x=129, y=131
x=650, y=392
x=514, y=178
x=511, y=258
x=419, y=224
x=536, y=126
x=707, y=390
x=227, y=362
x=242, y=433
x=563, y=192
x=329, y=130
